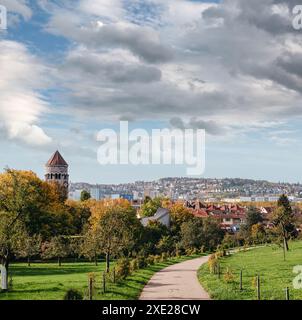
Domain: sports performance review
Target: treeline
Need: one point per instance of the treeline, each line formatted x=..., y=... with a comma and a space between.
x=37, y=222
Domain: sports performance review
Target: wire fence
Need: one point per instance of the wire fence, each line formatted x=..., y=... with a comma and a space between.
x=100, y=284
x=244, y=284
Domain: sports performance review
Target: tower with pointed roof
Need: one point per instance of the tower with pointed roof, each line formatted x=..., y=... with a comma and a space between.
x=57, y=170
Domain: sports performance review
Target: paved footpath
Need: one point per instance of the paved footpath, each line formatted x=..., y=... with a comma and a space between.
x=176, y=282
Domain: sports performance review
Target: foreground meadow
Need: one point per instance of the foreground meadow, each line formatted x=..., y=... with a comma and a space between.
x=275, y=274
x=48, y=281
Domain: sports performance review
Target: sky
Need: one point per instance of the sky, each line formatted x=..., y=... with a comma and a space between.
x=70, y=68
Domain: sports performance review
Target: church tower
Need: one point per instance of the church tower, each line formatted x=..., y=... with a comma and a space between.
x=57, y=170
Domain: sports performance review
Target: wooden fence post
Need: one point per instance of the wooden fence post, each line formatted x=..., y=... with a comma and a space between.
x=258, y=287
x=114, y=275
x=218, y=267
x=240, y=287
x=104, y=282
x=90, y=287
x=287, y=293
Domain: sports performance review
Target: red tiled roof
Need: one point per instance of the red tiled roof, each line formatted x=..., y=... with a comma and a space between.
x=56, y=160
x=200, y=213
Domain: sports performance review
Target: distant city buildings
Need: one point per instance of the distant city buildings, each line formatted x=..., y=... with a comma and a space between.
x=208, y=190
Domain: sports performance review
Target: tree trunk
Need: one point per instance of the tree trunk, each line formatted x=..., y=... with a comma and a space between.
x=107, y=262
x=28, y=261
x=286, y=244
x=4, y=275
x=96, y=260
x=284, y=249
x=59, y=262
x=285, y=238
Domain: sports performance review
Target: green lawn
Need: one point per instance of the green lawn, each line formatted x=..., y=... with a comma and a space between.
x=275, y=274
x=48, y=281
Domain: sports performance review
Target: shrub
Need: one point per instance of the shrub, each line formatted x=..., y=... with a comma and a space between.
x=213, y=263
x=142, y=263
x=202, y=249
x=122, y=268
x=164, y=257
x=157, y=259
x=134, y=264
x=191, y=251
x=150, y=260
x=229, y=276
x=73, y=294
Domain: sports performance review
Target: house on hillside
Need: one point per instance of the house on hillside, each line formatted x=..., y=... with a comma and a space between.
x=230, y=216
x=162, y=215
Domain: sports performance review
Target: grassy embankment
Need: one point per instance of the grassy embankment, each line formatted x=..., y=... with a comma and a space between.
x=275, y=274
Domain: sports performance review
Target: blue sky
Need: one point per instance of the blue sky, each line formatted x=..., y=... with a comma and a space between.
x=72, y=68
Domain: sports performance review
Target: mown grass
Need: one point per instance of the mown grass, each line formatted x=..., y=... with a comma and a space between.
x=267, y=262
x=48, y=281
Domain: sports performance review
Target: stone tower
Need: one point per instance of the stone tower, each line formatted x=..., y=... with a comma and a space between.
x=57, y=170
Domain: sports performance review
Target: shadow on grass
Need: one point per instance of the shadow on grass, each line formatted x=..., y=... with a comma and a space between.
x=53, y=269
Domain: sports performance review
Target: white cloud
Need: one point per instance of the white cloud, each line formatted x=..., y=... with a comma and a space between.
x=20, y=7
x=225, y=64
x=21, y=106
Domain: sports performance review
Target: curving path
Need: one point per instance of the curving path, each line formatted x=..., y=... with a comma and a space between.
x=176, y=282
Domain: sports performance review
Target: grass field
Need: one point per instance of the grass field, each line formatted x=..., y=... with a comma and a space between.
x=275, y=274
x=48, y=281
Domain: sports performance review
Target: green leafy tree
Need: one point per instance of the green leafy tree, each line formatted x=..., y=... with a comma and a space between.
x=24, y=199
x=179, y=215
x=212, y=233
x=283, y=219
x=253, y=216
x=151, y=236
x=11, y=230
x=28, y=246
x=85, y=195
x=191, y=234
x=150, y=206
x=57, y=247
x=115, y=231
x=90, y=246
x=201, y=232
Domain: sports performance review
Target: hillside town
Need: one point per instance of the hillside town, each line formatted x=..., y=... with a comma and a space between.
x=201, y=197
x=205, y=189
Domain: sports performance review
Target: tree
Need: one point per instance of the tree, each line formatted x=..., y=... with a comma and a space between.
x=253, y=216
x=258, y=233
x=201, y=232
x=114, y=226
x=283, y=219
x=57, y=247
x=90, y=246
x=191, y=233
x=11, y=229
x=179, y=215
x=28, y=246
x=151, y=236
x=79, y=214
x=116, y=233
x=85, y=195
x=150, y=206
x=23, y=199
x=212, y=233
